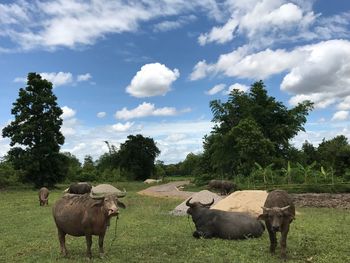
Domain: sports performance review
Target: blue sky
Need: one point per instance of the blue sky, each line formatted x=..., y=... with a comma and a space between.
x=152, y=67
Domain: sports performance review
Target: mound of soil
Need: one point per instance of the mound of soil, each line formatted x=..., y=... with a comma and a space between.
x=322, y=200
x=249, y=201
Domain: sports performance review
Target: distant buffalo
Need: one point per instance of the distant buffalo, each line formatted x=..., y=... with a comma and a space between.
x=278, y=213
x=224, y=186
x=227, y=225
x=43, y=196
x=82, y=215
x=79, y=188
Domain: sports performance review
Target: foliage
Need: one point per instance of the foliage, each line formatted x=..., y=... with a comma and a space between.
x=36, y=131
x=74, y=167
x=137, y=156
x=9, y=175
x=251, y=128
x=317, y=235
x=88, y=171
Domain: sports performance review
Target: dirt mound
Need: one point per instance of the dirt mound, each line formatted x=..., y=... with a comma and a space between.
x=167, y=190
x=249, y=201
x=322, y=200
x=204, y=196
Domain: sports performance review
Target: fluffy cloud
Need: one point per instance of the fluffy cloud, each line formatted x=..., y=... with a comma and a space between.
x=319, y=72
x=340, y=116
x=237, y=86
x=323, y=76
x=143, y=110
x=174, y=24
x=67, y=112
x=215, y=89
x=120, y=127
x=71, y=23
x=84, y=77
x=58, y=78
x=101, y=114
x=261, y=21
x=152, y=80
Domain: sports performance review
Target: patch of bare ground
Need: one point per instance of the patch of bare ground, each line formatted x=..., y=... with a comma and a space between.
x=322, y=200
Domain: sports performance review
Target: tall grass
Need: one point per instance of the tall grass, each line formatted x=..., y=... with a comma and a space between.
x=147, y=233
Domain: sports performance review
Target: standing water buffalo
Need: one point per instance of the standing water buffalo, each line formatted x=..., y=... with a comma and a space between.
x=278, y=213
x=227, y=225
x=43, y=196
x=224, y=186
x=82, y=215
x=79, y=188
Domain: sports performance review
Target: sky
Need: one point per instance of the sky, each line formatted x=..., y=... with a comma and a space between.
x=152, y=67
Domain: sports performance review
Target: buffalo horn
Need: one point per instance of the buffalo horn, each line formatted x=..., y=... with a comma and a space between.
x=285, y=208
x=265, y=208
x=121, y=194
x=188, y=202
x=209, y=204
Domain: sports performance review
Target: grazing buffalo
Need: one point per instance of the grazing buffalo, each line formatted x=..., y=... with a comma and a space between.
x=278, y=213
x=227, y=225
x=79, y=188
x=43, y=196
x=224, y=186
x=82, y=215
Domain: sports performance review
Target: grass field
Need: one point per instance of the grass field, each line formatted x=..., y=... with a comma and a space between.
x=147, y=233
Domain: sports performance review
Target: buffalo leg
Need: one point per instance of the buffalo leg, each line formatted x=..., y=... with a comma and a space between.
x=100, y=244
x=62, y=239
x=273, y=239
x=88, y=245
x=284, y=234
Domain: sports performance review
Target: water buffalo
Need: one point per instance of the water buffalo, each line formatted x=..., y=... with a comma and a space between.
x=227, y=225
x=224, y=186
x=79, y=188
x=82, y=215
x=43, y=196
x=278, y=213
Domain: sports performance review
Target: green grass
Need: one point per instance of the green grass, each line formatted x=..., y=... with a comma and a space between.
x=147, y=233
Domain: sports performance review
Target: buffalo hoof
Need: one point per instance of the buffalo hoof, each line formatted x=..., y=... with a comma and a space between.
x=196, y=234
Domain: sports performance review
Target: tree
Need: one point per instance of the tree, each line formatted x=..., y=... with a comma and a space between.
x=252, y=127
x=137, y=156
x=88, y=171
x=36, y=132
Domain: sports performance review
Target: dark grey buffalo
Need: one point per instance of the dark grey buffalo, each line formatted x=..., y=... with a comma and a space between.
x=224, y=186
x=227, y=225
x=278, y=213
x=43, y=196
x=82, y=215
x=79, y=188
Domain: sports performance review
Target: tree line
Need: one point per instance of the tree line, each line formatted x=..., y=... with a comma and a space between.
x=249, y=142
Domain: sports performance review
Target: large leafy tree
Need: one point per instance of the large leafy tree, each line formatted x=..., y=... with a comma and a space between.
x=137, y=156
x=35, y=133
x=252, y=127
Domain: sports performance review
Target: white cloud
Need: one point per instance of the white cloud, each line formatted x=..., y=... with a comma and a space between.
x=84, y=77
x=340, y=116
x=20, y=80
x=67, y=112
x=236, y=86
x=101, y=114
x=143, y=110
x=345, y=104
x=72, y=23
x=215, y=89
x=173, y=24
x=59, y=78
x=120, y=127
x=262, y=22
x=152, y=80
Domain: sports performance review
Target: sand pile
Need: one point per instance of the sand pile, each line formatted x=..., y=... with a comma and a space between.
x=204, y=196
x=249, y=201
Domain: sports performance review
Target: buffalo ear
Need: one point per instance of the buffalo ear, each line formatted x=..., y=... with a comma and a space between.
x=262, y=217
x=121, y=205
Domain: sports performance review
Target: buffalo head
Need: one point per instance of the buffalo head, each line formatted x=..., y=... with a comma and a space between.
x=195, y=205
x=276, y=216
x=110, y=204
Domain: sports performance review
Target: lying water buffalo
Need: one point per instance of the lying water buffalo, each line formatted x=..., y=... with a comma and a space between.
x=82, y=215
x=278, y=213
x=43, y=196
x=80, y=188
x=227, y=225
x=224, y=186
